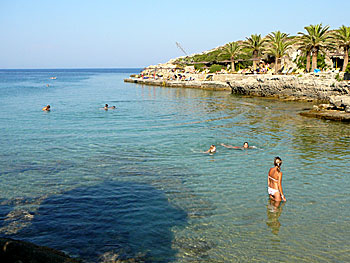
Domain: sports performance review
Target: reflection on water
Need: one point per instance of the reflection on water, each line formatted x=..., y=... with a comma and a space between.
x=274, y=211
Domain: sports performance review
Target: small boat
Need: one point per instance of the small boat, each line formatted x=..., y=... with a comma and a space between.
x=53, y=78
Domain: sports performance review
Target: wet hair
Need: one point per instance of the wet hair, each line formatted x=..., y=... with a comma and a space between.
x=106, y=105
x=48, y=106
x=278, y=162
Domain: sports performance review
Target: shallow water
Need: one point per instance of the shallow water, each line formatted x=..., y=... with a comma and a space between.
x=133, y=183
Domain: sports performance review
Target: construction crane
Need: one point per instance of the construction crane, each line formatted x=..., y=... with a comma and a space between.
x=180, y=47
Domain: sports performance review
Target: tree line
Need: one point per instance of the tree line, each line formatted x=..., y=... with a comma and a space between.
x=316, y=39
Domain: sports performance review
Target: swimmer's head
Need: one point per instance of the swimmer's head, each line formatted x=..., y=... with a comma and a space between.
x=48, y=106
x=106, y=105
x=245, y=145
x=277, y=162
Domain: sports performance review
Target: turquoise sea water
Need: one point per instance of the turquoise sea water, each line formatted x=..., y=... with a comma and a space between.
x=133, y=183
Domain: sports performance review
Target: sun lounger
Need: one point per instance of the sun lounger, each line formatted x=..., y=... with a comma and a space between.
x=209, y=77
x=290, y=71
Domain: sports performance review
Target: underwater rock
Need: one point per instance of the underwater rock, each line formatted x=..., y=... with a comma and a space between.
x=112, y=257
x=21, y=215
x=15, y=221
x=194, y=246
x=335, y=115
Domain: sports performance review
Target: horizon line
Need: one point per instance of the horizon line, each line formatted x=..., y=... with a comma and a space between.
x=72, y=68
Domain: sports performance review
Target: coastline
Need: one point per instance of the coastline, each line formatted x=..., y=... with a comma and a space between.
x=213, y=85
x=316, y=88
x=310, y=87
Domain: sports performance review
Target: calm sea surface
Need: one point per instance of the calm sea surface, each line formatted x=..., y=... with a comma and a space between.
x=133, y=183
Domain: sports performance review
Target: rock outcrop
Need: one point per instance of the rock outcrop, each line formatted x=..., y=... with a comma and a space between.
x=14, y=251
x=334, y=115
x=295, y=87
x=340, y=102
x=307, y=86
x=337, y=109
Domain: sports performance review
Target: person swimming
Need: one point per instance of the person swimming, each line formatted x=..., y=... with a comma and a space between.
x=46, y=108
x=212, y=149
x=245, y=146
x=106, y=107
x=274, y=181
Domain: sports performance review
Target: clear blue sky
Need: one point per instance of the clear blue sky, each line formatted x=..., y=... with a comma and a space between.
x=113, y=33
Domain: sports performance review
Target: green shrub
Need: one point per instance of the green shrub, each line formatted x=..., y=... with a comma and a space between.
x=321, y=61
x=209, y=57
x=199, y=66
x=347, y=70
x=301, y=61
x=219, y=55
x=214, y=68
x=337, y=77
x=246, y=56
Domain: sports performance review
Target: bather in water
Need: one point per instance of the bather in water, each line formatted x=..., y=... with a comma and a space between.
x=274, y=181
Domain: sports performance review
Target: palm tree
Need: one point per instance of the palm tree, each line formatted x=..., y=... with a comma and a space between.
x=306, y=50
x=278, y=45
x=342, y=36
x=317, y=39
x=256, y=44
x=232, y=49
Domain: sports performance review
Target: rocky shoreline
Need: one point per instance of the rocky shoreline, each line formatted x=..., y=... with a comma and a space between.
x=15, y=251
x=337, y=109
x=319, y=88
x=313, y=87
x=334, y=115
